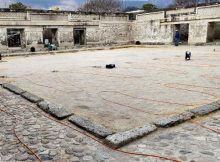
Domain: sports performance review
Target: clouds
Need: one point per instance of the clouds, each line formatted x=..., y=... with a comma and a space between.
x=45, y=4
x=6, y=3
x=74, y=4
x=69, y=5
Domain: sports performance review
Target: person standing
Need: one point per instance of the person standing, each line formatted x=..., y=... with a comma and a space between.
x=177, y=38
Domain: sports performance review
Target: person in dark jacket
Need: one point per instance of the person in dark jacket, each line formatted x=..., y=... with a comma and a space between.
x=177, y=38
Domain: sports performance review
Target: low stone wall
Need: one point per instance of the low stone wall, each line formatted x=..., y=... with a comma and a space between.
x=13, y=16
x=208, y=11
x=151, y=16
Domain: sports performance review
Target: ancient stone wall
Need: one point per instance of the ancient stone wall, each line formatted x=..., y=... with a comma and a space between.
x=148, y=29
x=182, y=11
x=65, y=37
x=160, y=28
x=115, y=32
x=198, y=32
x=92, y=35
x=13, y=16
x=152, y=28
x=150, y=16
x=48, y=17
x=100, y=29
x=208, y=11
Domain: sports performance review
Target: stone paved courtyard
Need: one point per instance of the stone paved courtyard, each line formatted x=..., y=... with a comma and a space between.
x=147, y=84
x=52, y=141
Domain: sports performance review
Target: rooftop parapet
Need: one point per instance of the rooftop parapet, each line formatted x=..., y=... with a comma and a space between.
x=60, y=16
x=13, y=16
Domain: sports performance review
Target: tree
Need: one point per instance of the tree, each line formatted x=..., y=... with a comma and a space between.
x=150, y=7
x=102, y=6
x=131, y=8
x=17, y=6
x=192, y=3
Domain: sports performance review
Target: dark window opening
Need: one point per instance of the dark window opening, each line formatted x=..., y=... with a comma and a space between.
x=79, y=36
x=132, y=16
x=213, y=33
x=50, y=36
x=184, y=32
x=15, y=38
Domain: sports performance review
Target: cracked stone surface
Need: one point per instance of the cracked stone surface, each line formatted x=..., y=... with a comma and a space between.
x=56, y=143
x=147, y=84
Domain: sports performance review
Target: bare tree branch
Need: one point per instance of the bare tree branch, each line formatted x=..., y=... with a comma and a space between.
x=102, y=6
x=190, y=3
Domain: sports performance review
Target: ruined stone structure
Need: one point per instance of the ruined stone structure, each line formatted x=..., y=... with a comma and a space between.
x=197, y=25
x=23, y=30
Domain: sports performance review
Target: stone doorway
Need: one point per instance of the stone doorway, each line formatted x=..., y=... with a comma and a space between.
x=16, y=38
x=79, y=36
x=50, y=36
x=213, y=33
x=184, y=32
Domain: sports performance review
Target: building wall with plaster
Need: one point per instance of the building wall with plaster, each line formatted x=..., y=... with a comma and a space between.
x=159, y=27
x=100, y=29
x=149, y=28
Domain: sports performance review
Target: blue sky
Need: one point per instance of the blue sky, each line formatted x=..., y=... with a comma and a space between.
x=70, y=4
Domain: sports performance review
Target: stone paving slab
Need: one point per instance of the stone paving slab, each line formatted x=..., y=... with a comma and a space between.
x=206, y=109
x=13, y=88
x=55, y=110
x=119, y=139
x=96, y=129
x=31, y=97
x=174, y=119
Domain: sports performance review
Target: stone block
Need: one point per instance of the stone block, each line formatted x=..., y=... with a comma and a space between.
x=174, y=119
x=96, y=129
x=58, y=111
x=31, y=97
x=55, y=110
x=43, y=105
x=206, y=109
x=119, y=139
x=13, y=88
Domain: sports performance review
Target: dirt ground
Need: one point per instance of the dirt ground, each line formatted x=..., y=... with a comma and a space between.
x=147, y=83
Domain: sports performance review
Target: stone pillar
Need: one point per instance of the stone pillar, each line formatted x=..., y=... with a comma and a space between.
x=3, y=38
x=34, y=37
x=65, y=37
x=28, y=16
x=198, y=32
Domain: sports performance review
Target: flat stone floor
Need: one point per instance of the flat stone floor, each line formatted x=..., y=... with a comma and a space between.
x=53, y=142
x=188, y=142
x=148, y=83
